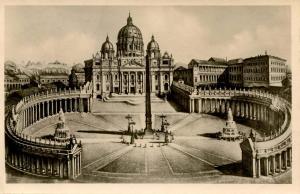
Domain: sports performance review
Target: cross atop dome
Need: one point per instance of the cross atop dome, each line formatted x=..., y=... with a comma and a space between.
x=152, y=37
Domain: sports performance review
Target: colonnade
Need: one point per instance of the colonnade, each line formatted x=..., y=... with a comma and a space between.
x=44, y=165
x=43, y=109
x=269, y=156
x=46, y=158
x=274, y=163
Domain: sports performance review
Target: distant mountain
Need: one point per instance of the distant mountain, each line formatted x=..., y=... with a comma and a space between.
x=178, y=64
x=10, y=68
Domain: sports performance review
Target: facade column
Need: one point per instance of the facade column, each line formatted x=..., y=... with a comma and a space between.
x=135, y=90
x=121, y=82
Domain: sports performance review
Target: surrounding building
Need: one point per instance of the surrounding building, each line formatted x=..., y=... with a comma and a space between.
x=260, y=71
x=46, y=78
x=235, y=72
x=123, y=72
x=264, y=71
x=15, y=82
x=79, y=72
x=203, y=73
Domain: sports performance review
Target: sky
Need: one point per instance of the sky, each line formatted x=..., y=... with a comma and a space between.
x=71, y=34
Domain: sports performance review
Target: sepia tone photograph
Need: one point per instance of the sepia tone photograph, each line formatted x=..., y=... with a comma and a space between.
x=148, y=94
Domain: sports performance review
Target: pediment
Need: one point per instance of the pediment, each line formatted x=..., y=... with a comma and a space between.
x=247, y=145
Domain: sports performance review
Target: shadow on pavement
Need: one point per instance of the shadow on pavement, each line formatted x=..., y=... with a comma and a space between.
x=210, y=135
x=234, y=169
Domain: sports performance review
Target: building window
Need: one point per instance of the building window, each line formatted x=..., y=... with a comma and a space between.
x=166, y=77
x=156, y=77
x=166, y=86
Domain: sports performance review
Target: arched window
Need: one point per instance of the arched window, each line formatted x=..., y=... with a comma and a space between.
x=166, y=76
x=98, y=87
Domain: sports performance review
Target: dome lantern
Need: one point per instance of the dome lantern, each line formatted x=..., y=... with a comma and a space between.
x=129, y=20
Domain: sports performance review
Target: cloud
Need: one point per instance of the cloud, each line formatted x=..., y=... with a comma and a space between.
x=67, y=48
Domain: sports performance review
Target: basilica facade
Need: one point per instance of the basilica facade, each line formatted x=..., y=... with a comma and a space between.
x=122, y=71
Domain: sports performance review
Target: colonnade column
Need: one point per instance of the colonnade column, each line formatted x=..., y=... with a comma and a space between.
x=258, y=167
x=273, y=165
x=267, y=166
x=279, y=162
x=285, y=159
x=199, y=105
x=88, y=104
x=75, y=104
x=71, y=104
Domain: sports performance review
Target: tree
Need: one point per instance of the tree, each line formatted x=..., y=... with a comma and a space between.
x=73, y=80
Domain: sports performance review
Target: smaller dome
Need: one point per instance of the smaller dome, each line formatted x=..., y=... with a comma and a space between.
x=107, y=45
x=166, y=55
x=97, y=56
x=152, y=45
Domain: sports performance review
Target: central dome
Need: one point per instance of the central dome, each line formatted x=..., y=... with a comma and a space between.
x=130, y=40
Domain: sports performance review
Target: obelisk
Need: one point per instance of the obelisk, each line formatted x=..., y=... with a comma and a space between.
x=148, y=129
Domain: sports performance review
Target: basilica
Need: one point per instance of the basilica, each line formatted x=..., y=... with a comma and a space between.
x=122, y=71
